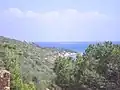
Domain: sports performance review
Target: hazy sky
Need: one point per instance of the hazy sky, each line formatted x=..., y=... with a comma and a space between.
x=60, y=20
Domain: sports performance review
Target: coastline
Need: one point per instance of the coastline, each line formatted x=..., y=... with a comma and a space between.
x=70, y=46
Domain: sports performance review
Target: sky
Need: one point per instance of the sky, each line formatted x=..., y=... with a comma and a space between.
x=60, y=20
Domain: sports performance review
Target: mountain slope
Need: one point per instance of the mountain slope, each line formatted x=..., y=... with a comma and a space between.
x=35, y=62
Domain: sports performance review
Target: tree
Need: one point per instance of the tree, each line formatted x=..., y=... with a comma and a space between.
x=10, y=60
x=97, y=68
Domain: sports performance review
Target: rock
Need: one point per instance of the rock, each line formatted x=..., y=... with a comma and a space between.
x=4, y=80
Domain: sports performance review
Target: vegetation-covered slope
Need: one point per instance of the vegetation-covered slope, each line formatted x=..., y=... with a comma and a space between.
x=31, y=61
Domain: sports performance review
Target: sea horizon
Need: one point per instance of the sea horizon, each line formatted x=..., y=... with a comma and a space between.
x=74, y=46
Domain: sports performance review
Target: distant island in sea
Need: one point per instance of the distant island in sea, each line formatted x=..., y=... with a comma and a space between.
x=74, y=46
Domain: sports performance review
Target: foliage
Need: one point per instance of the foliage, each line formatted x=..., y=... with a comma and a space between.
x=27, y=64
x=97, y=68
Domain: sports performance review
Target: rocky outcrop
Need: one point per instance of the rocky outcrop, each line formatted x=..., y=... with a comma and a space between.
x=4, y=80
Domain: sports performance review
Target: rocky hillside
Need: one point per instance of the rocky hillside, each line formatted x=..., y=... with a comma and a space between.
x=35, y=62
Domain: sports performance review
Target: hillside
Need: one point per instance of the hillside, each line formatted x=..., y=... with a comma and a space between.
x=35, y=62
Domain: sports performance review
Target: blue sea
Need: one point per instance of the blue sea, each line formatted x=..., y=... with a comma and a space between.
x=74, y=46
